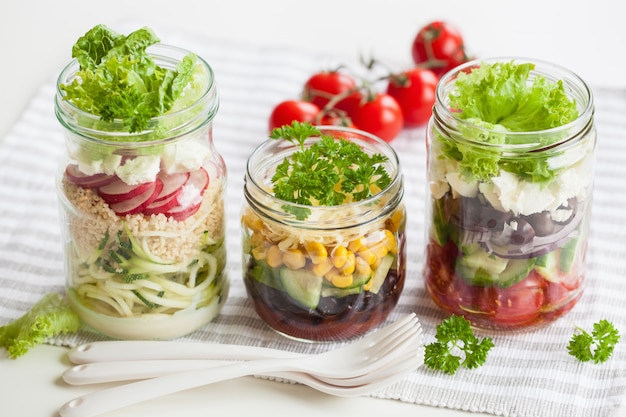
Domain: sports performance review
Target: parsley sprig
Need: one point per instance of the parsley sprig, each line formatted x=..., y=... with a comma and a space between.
x=597, y=346
x=455, y=335
x=329, y=172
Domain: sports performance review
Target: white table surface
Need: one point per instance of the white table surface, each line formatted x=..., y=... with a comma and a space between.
x=35, y=37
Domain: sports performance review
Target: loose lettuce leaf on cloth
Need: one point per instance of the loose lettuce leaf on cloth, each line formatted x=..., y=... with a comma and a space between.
x=49, y=317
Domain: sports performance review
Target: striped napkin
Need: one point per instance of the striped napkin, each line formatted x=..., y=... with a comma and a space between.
x=526, y=374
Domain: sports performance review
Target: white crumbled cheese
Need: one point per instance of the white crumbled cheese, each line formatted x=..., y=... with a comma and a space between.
x=185, y=157
x=521, y=197
x=139, y=169
x=460, y=186
x=89, y=166
x=487, y=189
x=110, y=163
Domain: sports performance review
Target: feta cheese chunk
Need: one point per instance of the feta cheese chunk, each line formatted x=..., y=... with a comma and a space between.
x=139, y=169
x=184, y=157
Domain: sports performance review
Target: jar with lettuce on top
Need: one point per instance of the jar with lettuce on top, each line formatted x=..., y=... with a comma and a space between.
x=141, y=188
x=511, y=153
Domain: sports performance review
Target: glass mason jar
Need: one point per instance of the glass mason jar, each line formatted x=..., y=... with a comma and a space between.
x=336, y=274
x=142, y=214
x=507, y=251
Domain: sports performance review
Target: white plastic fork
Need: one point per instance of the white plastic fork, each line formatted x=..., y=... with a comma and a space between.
x=358, y=368
x=133, y=350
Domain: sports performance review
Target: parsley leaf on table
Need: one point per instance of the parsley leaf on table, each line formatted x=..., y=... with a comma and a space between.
x=597, y=346
x=455, y=335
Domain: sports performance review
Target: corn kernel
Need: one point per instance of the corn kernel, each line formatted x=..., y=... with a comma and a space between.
x=368, y=255
x=350, y=264
x=339, y=256
x=395, y=221
x=362, y=267
x=316, y=251
x=342, y=280
x=322, y=268
x=259, y=253
x=390, y=241
x=379, y=250
x=356, y=244
x=294, y=259
x=274, y=256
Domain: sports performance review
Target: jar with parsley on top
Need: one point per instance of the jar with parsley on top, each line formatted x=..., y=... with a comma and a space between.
x=323, y=223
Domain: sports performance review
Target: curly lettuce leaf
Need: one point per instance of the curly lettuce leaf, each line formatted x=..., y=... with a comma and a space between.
x=501, y=97
x=118, y=79
x=49, y=317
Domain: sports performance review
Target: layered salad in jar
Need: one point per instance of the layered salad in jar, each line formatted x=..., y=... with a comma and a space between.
x=323, y=232
x=142, y=187
x=510, y=171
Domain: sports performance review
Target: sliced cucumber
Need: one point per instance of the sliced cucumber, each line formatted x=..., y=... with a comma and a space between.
x=302, y=285
x=380, y=274
x=548, y=266
x=485, y=269
x=568, y=254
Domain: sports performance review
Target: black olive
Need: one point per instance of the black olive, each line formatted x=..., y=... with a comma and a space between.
x=522, y=233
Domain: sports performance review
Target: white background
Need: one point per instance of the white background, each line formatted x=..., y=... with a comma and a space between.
x=35, y=43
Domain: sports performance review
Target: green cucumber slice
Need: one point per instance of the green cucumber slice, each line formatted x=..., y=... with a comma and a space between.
x=380, y=274
x=568, y=254
x=302, y=285
x=548, y=266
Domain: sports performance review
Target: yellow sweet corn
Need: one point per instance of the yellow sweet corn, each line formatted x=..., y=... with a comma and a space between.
x=368, y=255
x=362, y=267
x=294, y=259
x=350, y=264
x=389, y=241
x=342, y=281
x=316, y=251
x=339, y=256
x=322, y=268
x=356, y=244
x=274, y=256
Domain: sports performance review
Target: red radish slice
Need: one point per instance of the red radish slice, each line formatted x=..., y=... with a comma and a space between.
x=180, y=213
x=119, y=191
x=190, y=200
x=172, y=184
x=199, y=179
x=139, y=202
x=74, y=175
x=161, y=205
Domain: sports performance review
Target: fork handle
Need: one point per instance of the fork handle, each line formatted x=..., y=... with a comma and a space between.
x=110, y=399
x=131, y=350
x=102, y=372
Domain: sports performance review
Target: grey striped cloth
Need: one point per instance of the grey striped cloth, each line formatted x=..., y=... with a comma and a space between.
x=526, y=374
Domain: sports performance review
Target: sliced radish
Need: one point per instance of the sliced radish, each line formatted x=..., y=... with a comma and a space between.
x=172, y=184
x=180, y=213
x=161, y=205
x=74, y=175
x=118, y=191
x=138, y=203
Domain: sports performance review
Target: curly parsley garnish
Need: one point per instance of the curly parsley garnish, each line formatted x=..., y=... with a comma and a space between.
x=329, y=172
x=455, y=335
x=597, y=346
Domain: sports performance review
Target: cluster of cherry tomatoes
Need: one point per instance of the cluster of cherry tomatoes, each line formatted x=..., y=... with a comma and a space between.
x=335, y=97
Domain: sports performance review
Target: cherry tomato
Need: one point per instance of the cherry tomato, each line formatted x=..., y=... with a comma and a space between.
x=379, y=115
x=287, y=111
x=414, y=90
x=439, y=46
x=323, y=86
